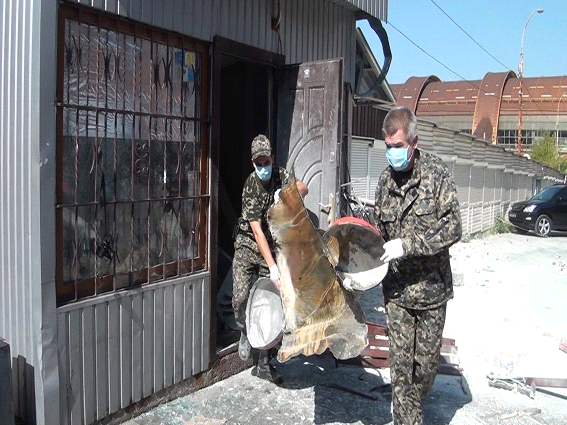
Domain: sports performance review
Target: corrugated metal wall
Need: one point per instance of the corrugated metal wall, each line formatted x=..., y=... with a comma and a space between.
x=116, y=350
x=487, y=177
x=367, y=161
x=378, y=8
x=309, y=29
x=105, y=343
x=20, y=206
x=359, y=168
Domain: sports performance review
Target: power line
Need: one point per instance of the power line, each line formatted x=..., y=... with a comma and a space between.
x=460, y=76
x=487, y=52
x=428, y=54
x=469, y=36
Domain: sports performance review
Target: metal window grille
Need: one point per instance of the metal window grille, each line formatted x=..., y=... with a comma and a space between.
x=132, y=142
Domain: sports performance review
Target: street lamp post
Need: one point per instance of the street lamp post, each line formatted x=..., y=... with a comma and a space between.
x=521, y=78
x=557, y=120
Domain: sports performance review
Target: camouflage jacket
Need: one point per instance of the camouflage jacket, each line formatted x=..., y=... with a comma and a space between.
x=424, y=213
x=256, y=199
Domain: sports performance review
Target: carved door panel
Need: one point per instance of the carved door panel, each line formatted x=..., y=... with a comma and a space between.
x=309, y=117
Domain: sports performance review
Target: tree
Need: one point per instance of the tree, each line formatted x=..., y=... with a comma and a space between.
x=545, y=152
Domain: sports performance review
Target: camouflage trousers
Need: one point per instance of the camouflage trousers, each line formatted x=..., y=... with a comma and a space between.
x=247, y=267
x=415, y=338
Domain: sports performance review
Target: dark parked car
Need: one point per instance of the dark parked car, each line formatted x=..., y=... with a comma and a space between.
x=543, y=212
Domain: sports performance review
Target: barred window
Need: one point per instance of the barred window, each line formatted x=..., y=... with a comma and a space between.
x=132, y=155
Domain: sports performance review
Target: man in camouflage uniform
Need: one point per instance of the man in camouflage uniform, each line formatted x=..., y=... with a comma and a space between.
x=417, y=211
x=254, y=247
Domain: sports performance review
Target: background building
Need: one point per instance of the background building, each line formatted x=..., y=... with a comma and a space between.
x=489, y=108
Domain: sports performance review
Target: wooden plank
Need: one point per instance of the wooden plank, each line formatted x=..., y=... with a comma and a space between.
x=137, y=348
x=379, y=341
x=178, y=332
x=125, y=351
x=376, y=329
x=89, y=369
x=377, y=353
x=373, y=362
x=113, y=356
x=148, y=365
x=101, y=329
x=168, y=340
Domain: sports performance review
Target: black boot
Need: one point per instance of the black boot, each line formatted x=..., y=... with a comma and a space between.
x=265, y=368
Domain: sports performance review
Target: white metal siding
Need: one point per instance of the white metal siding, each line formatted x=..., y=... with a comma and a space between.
x=463, y=146
x=116, y=350
x=461, y=176
x=378, y=163
x=376, y=8
x=366, y=165
x=444, y=143
x=487, y=177
x=358, y=167
x=425, y=139
x=21, y=323
x=489, y=210
x=309, y=29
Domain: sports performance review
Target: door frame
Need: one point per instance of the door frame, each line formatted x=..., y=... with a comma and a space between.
x=224, y=46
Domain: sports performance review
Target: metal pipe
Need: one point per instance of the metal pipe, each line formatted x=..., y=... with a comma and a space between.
x=521, y=77
x=557, y=120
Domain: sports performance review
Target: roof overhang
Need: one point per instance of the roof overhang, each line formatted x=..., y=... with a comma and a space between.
x=375, y=8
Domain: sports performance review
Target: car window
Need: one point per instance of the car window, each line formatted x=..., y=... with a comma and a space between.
x=546, y=194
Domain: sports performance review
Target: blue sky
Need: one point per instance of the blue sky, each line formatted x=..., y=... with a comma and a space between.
x=496, y=25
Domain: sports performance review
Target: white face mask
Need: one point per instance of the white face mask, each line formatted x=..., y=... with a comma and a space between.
x=264, y=173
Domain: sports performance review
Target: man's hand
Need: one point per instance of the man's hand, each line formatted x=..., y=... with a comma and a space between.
x=275, y=275
x=392, y=250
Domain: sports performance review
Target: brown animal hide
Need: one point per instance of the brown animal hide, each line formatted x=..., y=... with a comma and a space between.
x=318, y=312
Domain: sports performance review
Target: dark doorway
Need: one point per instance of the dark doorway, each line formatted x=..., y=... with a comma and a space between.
x=245, y=110
x=244, y=78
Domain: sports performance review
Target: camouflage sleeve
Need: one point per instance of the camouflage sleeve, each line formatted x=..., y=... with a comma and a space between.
x=443, y=229
x=378, y=206
x=251, y=208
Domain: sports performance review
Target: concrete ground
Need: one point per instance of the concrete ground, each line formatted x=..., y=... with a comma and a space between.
x=507, y=318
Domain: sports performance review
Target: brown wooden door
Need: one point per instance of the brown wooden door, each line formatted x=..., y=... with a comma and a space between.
x=309, y=118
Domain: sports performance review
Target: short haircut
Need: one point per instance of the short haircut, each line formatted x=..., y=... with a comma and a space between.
x=403, y=118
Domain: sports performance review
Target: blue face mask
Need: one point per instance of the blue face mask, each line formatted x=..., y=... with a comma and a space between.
x=264, y=173
x=398, y=158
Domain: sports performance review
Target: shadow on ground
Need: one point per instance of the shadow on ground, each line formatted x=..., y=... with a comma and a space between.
x=352, y=394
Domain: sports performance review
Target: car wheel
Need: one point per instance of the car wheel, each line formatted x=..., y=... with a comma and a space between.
x=543, y=225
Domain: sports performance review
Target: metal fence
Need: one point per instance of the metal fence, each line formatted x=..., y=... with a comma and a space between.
x=488, y=178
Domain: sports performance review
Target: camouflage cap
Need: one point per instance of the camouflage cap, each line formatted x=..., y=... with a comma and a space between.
x=261, y=146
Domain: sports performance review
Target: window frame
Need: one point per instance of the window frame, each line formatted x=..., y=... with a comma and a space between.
x=68, y=292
